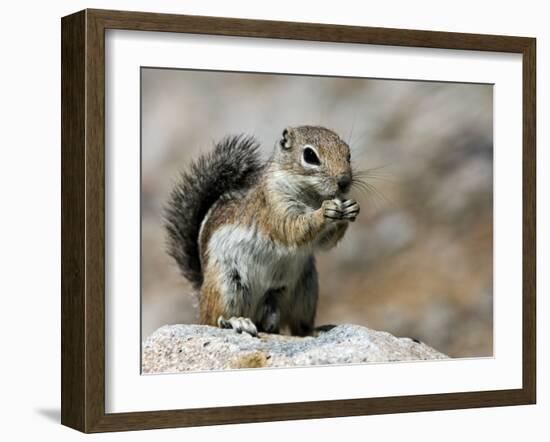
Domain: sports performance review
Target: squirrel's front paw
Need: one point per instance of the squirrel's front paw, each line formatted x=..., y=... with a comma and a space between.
x=350, y=210
x=332, y=209
x=338, y=210
x=239, y=324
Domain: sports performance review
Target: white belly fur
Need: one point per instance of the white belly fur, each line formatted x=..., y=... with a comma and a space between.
x=261, y=263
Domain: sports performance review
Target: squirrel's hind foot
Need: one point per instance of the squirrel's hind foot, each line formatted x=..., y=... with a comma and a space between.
x=239, y=324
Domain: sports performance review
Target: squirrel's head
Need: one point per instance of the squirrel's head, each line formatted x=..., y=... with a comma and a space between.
x=317, y=159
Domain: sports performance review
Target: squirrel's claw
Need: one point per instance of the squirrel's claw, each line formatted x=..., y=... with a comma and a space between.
x=332, y=209
x=239, y=324
x=340, y=210
x=350, y=209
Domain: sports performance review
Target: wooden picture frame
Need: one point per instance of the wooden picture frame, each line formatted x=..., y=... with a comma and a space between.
x=83, y=220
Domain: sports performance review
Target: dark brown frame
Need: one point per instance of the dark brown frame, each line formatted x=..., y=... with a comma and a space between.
x=83, y=216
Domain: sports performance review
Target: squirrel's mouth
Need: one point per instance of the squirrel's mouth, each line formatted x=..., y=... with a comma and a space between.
x=340, y=195
x=315, y=191
x=334, y=194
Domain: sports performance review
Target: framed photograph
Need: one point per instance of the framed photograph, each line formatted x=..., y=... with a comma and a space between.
x=269, y=220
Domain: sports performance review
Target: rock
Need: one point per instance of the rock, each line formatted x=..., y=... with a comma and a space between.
x=179, y=348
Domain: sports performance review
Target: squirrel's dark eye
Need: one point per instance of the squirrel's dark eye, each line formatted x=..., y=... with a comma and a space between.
x=348, y=157
x=311, y=157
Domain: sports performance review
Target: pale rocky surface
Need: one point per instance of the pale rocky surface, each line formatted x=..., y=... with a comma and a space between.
x=179, y=348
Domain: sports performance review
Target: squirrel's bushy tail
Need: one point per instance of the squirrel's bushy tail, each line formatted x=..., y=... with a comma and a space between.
x=234, y=164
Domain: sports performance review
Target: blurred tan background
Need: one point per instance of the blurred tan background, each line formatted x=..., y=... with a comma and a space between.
x=417, y=262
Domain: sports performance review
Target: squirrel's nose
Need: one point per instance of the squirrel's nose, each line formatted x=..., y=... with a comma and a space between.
x=344, y=182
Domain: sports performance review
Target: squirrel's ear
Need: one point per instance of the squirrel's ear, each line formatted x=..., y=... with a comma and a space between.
x=286, y=142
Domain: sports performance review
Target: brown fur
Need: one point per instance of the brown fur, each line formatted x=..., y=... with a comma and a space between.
x=211, y=307
x=279, y=216
x=334, y=151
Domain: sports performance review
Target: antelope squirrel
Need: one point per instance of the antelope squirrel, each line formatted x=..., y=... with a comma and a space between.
x=245, y=233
